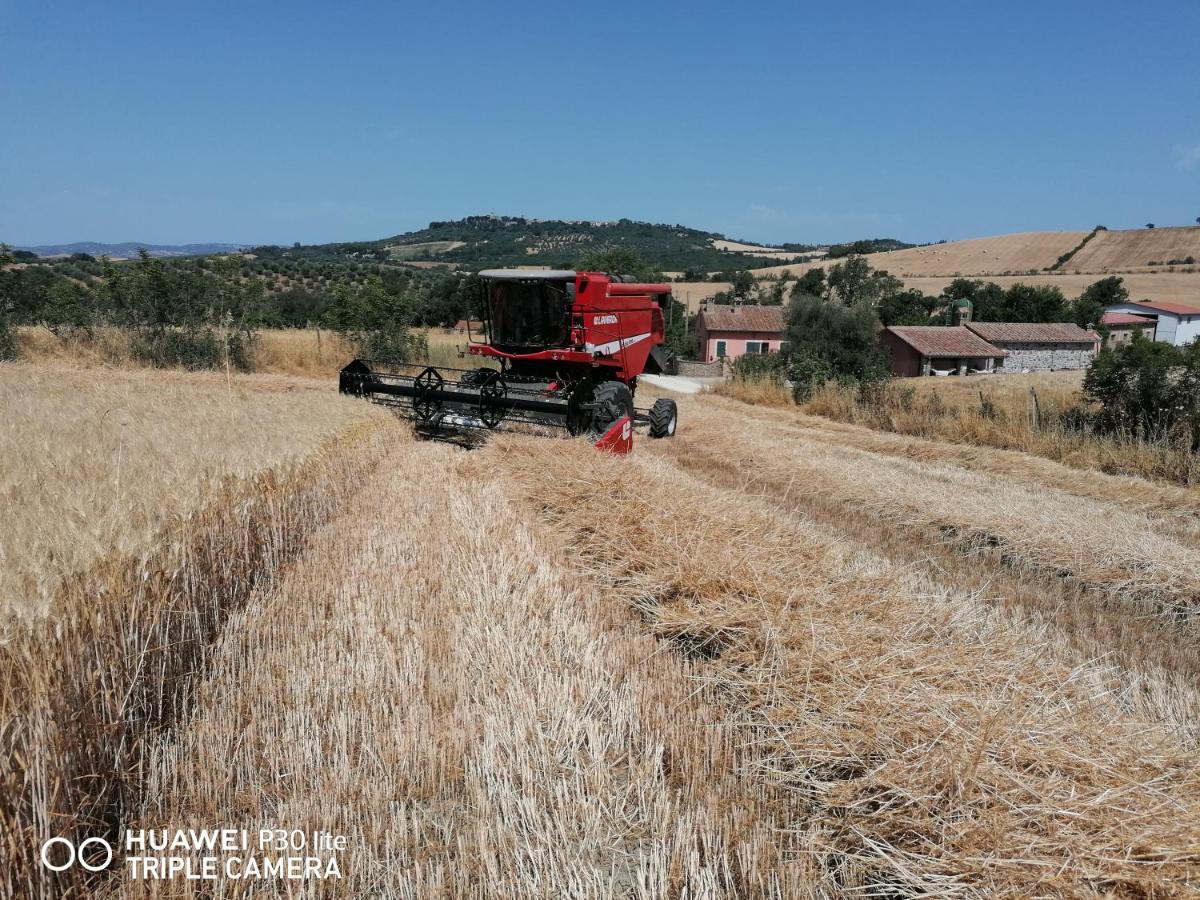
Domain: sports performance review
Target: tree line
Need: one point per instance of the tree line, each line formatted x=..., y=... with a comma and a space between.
x=203, y=313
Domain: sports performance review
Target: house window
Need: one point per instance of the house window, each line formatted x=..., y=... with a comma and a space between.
x=720, y=349
x=757, y=347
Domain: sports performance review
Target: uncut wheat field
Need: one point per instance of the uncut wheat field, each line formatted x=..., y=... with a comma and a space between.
x=773, y=657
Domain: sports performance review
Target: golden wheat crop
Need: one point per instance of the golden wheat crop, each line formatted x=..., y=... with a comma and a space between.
x=775, y=657
x=143, y=508
x=96, y=464
x=304, y=352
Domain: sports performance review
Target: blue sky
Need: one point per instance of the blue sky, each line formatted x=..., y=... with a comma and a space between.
x=272, y=122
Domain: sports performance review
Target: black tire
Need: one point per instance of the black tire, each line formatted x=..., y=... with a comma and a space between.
x=612, y=400
x=664, y=417
x=672, y=363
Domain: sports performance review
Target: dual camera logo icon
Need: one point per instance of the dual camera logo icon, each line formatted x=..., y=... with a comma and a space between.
x=81, y=854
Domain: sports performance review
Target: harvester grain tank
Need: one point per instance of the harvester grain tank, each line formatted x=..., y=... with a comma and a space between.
x=569, y=347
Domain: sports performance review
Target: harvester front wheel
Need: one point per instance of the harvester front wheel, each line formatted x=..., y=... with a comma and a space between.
x=612, y=399
x=664, y=416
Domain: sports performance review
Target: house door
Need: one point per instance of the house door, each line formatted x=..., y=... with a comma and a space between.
x=720, y=349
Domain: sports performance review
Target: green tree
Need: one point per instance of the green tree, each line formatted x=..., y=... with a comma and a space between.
x=1089, y=308
x=1149, y=388
x=907, y=307
x=8, y=341
x=774, y=295
x=854, y=282
x=811, y=283
x=617, y=260
x=68, y=305
x=1034, y=303
x=832, y=340
x=742, y=284
x=376, y=320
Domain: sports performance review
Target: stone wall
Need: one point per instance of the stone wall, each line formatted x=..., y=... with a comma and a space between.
x=1043, y=356
x=694, y=369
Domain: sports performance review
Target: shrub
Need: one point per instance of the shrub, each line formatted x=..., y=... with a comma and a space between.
x=1147, y=388
x=393, y=345
x=195, y=348
x=8, y=343
x=760, y=367
x=808, y=371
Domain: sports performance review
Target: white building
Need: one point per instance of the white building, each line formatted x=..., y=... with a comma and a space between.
x=1173, y=323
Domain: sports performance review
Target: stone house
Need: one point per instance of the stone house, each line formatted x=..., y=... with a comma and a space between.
x=915, y=350
x=1039, y=346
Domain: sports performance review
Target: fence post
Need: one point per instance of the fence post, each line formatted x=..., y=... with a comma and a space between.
x=1037, y=409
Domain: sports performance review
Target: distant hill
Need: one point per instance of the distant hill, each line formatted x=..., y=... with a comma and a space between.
x=130, y=248
x=480, y=242
x=1155, y=263
x=1097, y=252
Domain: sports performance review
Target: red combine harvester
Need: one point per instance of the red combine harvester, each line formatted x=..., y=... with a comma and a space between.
x=570, y=346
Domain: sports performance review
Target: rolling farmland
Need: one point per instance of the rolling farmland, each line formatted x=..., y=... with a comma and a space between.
x=1143, y=258
x=1032, y=253
x=1162, y=286
x=1009, y=253
x=774, y=657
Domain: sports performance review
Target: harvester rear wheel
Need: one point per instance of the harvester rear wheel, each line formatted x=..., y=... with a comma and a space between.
x=612, y=400
x=664, y=416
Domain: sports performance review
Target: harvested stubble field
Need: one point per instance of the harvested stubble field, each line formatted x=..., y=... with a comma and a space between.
x=774, y=657
x=1035, y=413
x=1033, y=253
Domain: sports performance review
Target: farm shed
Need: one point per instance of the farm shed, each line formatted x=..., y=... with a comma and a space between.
x=1174, y=323
x=729, y=331
x=1122, y=326
x=1039, y=346
x=938, y=349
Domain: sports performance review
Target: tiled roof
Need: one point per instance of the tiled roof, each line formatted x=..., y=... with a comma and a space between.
x=1177, y=309
x=1120, y=318
x=723, y=317
x=1033, y=332
x=940, y=341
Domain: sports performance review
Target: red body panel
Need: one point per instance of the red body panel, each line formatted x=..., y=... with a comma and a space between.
x=618, y=438
x=614, y=325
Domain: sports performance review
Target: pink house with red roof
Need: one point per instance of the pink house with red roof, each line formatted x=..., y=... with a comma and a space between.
x=727, y=332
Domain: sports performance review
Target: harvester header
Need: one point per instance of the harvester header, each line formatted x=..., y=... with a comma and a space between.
x=561, y=349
